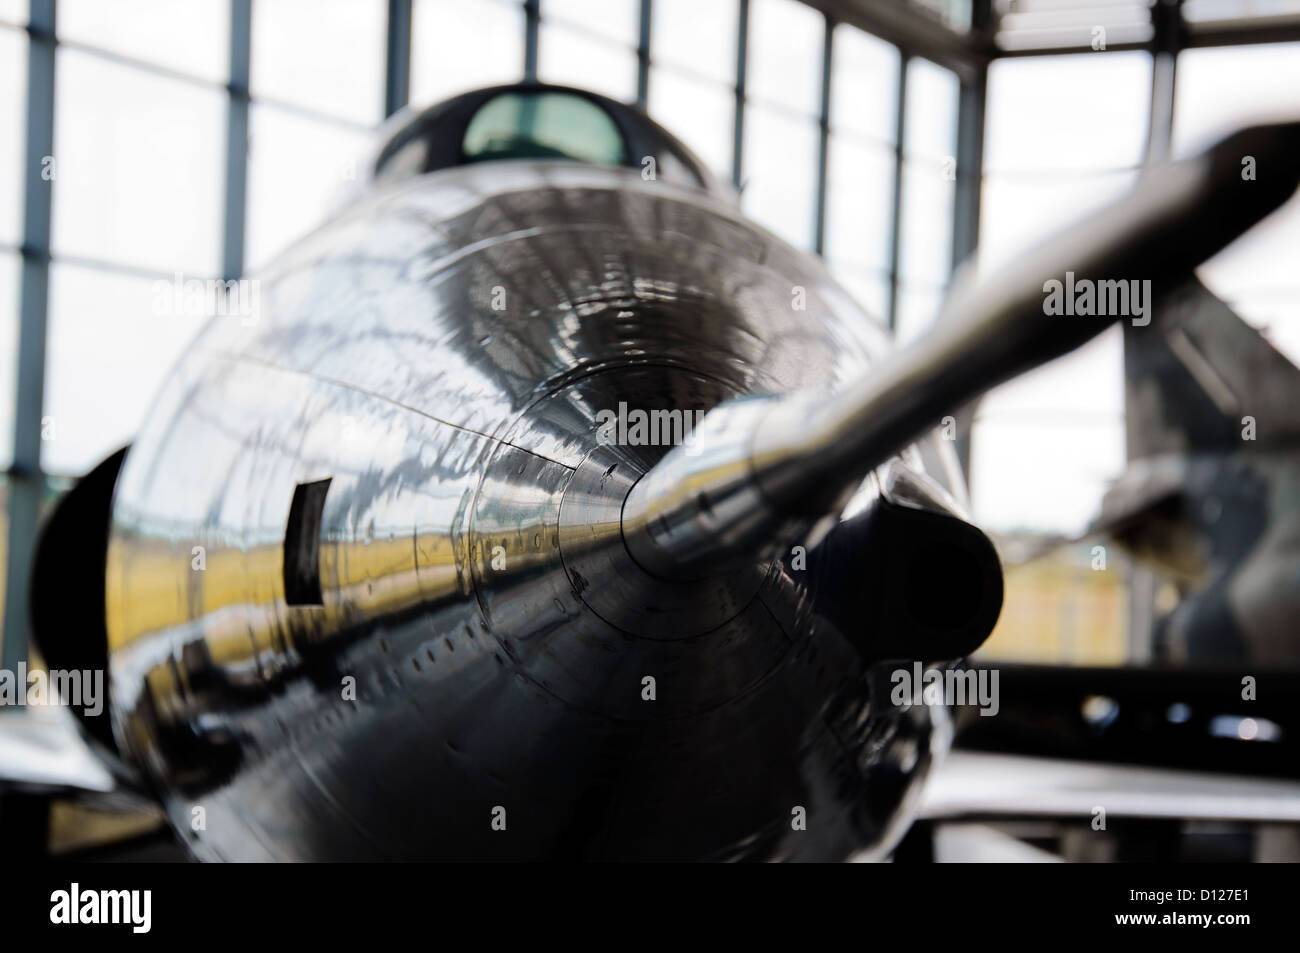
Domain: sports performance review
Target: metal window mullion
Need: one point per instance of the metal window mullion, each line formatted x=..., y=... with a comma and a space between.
x=643, y=55
x=26, y=480
x=154, y=70
x=971, y=109
x=532, y=26
x=738, y=129
x=397, y=57
x=1167, y=41
x=824, y=138
x=895, y=225
x=971, y=105
x=241, y=25
x=1160, y=119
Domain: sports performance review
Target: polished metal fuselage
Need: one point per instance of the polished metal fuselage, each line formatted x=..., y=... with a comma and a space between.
x=479, y=681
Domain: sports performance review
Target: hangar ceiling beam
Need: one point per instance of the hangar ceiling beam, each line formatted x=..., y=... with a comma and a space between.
x=911, y=31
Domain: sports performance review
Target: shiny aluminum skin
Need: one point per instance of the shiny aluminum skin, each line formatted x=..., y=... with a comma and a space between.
x=497, y=648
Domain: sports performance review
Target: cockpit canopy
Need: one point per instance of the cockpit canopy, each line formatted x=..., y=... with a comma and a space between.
x=543, y=125
x=532, y=121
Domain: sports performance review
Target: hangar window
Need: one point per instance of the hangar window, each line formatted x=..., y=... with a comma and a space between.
x=544, y=125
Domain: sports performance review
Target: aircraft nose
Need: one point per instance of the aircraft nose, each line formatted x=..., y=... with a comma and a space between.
x=612, y=584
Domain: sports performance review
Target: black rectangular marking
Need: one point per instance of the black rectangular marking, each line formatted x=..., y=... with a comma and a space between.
x=302, y=544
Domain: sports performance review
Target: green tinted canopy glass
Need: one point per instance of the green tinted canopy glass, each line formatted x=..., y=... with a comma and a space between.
x=544, y=125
